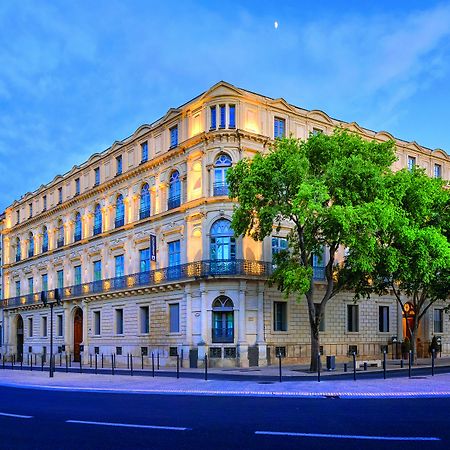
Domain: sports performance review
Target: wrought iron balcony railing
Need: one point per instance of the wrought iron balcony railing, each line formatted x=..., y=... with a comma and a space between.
x=194, y=270
x=222, y=335
x=220, y=188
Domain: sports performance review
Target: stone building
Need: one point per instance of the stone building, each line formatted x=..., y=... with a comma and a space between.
x=138, y=242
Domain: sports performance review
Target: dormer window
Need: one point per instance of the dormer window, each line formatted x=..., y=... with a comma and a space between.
x=77, y=186
x=279, y=127
x=411, y=162
x=119, y=165
x=60, y=195
x=144, y=152
x=44, y=201
x=232, y=116
x=173, y=136
x=96, y=176
x=223, y=116
x=213, y=118
x=30, y=207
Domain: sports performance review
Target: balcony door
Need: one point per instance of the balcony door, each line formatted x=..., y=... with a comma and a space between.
x=223, y=320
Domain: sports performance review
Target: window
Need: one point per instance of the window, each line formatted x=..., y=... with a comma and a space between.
x=174, y=199
x=78, y=228
x=97, y=323
x=278, y=244
x=18, y=216
x=97, y=270
x=77, y=186
x=60, y=239
x=437, y=171
x=120, y=212
x=279, y=127
x=77, y=275
x=44, y=240
x=144, y=312
x=383, y=319
x=30, y=327
x=44, y=326
x=18, y=288
x=119, y=351
x=60, y=279
x=30, y=245
x=59, y=325
x=18, y=250
x=279, y=316
x=411, y=162
x=221, y=166
x=144, y=206
x=119, y=165
x=30, y=207
x=316, y=131
x=353, y=318
x=213, y=118
x=60, y=195
x=174, y=269
x=144, y=260
x=174, y=317
x=96, y=176
x=438, y=320
x=31, y=285
x=173, y=132
x=232, y=118
x=223, y=320
x=318, y=262
x=44, y=280
x=222, y=110
x=144, y=152
x=44, y=203
x=223, y=243
x=322, y=322
x=97, y=219
x=118, y=264
x=119, y=321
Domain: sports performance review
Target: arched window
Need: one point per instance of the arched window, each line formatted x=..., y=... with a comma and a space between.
x=18, y=250
x=120, y=212
x=144, y=207
x=97, y=219
x=44, y=240
x=30, y=245
x=174, y=199
x=223, y=320
x=223, y=243
x=221, y=166
x=78, y=228
x=60, y=241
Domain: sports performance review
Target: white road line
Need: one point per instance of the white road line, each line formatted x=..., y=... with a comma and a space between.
x=18, y=416
x=349, y=436
x=128, y=425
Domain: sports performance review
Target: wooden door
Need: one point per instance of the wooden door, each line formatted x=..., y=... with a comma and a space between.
x=77, y=333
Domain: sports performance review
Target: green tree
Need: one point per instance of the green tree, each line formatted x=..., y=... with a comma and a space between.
x=407, y=251
x=326, y=188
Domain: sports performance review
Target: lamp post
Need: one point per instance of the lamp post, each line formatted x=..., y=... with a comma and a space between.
x=45, y=302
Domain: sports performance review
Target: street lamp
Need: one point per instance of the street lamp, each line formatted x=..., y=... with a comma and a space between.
x=45, y=302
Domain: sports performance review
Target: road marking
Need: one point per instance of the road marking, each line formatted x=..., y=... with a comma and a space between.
x=349, y=436
x=18, y=416
x=128, y=425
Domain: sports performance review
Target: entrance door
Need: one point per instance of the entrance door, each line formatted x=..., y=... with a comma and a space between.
x=19, y=338
x=77, y=333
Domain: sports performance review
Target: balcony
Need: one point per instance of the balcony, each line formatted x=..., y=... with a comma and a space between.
x=184, y=272
x=174, y=202
x=222, y=335
x=220, y=188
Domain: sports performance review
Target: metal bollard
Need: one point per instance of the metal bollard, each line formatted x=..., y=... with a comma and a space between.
x=318, y=367
x=81, y=366
x=365, y=366
x=112, y=364
x=153, y=365
x=354, y=366
x=345, y=367
x=409, y=363
x=90, y=360
x=181, y=361
x=96, y=364
x=42, y=363
x=279, y=367
x=60, y=359
x=131, y=364
x=128, y=360
x=67, y=364
x=178, y=366
x=13, y=361
x=102, y=360
x=28, y=359
x=31, y=366
x=401, y=363
x=70, y=360
x=384, y=364
x=142, y=361
x=157, y=360
x=206, y=367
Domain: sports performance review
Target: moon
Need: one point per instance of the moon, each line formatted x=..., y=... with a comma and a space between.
x=275, y=24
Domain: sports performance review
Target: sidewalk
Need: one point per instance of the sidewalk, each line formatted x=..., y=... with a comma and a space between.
x=423, y=386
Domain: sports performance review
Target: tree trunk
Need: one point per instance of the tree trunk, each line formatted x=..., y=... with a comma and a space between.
x=315, y=347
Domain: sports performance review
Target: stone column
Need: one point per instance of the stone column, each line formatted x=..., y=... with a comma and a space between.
x=188, y=338
x=67, y=328
x=84, y=306
x=204, y=313
x=260, y=339
x=242, y=329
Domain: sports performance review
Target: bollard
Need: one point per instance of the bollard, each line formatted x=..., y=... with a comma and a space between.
x=81, y=367
x=60, y=359
x=365, y=366
x=153, y=365
x=345, y=367
x=279, y=367
x=12, y=361
x=42, y=363
x=128, y=360
x=70, y=360
x=384, y=364
x=31, y=366
x=142, y=361
x=401, y=363
x=409, y=363
x=90, y=360
x=318, y=367
x=206, y=367
x=102, y=360
x=67, y=364
x=354, y=366
x=96, y=364
x=178, y=366
x=28, y=359
x=433, y=355
x=181, y=361
x=131, y=364
x=157, y=360
x=112, y=364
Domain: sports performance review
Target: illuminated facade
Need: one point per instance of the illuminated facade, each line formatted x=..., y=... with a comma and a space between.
x=138, y=242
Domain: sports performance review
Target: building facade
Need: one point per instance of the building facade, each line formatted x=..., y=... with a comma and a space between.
x=138, y=242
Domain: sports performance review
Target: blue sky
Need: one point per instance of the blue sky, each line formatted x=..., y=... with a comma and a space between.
x=77, y=75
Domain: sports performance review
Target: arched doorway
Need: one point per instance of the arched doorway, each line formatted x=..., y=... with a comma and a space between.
x=19, y=337
x=223, y=320
x=408, y=318
x=77, y=333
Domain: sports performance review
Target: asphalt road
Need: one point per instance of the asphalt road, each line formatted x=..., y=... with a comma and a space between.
x=42, y=419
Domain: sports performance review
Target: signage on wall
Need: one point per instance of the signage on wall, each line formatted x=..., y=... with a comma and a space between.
x=152, y=247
